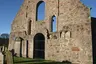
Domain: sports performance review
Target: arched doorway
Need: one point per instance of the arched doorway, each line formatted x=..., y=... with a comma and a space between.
x=18, y=46
x=39, y=46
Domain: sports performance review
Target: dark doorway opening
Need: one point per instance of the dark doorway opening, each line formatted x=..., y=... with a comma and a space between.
x=21, y=48
x=93, y=27
x=27, y=49
x=39, y=46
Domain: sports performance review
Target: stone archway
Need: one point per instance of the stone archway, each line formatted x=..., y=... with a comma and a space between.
x=18, y=46
x=39, y=46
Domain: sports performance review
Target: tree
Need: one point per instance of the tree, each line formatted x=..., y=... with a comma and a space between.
x=4, y=35
x=4, y=39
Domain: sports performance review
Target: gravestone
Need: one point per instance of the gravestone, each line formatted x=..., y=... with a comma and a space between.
x=9, y=57
x=63, y=34
x=1, y=58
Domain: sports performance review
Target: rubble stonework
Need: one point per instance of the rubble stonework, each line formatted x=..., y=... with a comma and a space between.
x=72, y=41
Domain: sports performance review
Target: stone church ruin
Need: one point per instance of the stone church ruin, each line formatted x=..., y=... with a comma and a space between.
x=70, y=40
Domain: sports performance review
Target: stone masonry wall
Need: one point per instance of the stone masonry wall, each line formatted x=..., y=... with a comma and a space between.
x=72, y=40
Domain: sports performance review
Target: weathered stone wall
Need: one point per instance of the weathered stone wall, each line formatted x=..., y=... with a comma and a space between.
x=1, y=58
x=72, y=40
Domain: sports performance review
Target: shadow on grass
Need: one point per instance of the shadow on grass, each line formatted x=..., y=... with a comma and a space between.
x=23, y=61
x=37, y=61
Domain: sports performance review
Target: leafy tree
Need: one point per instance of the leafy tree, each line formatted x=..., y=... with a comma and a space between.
x=4, y=39
x=4, y=35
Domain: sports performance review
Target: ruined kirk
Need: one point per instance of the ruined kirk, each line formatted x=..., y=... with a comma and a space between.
x=64, y=33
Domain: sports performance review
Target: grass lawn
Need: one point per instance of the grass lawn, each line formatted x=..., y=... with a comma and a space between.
x=18, y=60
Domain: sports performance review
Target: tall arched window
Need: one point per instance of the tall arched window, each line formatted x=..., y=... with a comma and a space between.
x=40, y=11
x=53, y=24
x=29, y=27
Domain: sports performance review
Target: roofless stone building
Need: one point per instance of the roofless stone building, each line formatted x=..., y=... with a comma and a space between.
x=63, y=34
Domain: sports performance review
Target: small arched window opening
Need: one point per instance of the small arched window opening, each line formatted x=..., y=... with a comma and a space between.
x=53, y=24
x=29, y=27
x=40, y=11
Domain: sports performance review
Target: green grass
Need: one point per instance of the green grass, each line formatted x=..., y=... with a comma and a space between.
x=18, y=60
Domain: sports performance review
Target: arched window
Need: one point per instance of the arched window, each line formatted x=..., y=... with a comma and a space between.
x=29, y=27
x=40, y=11
x=53, y=24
